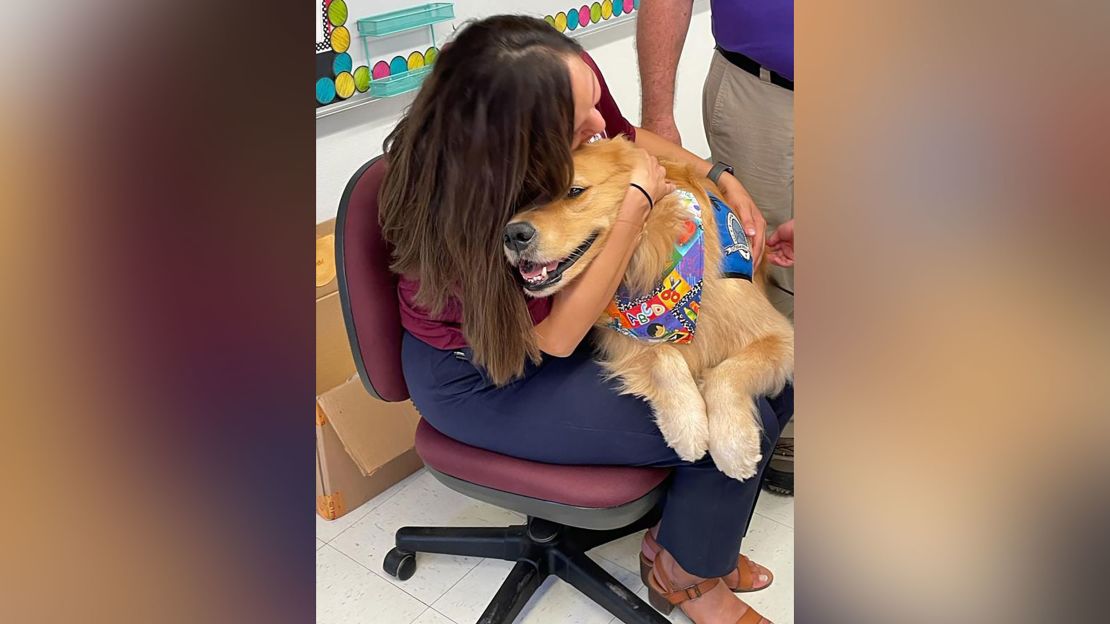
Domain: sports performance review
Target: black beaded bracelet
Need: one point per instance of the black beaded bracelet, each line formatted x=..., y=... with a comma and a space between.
x=651, y=204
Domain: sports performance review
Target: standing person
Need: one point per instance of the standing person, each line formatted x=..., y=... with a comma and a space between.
x=489, y=134
x=748, y=111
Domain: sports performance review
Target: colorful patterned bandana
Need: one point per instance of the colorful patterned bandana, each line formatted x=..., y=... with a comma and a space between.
x=669, y=313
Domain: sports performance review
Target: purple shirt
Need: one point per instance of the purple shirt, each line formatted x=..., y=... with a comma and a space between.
x=762, y=30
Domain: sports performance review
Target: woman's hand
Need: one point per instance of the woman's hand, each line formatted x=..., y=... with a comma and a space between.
x=652, y=176
x=780, y=247
x=755, y=226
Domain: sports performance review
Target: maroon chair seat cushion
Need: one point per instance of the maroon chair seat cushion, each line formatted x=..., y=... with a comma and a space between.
x=595, y=487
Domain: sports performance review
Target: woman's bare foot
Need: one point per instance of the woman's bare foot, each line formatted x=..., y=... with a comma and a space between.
x=757, y=577
x=716, y=606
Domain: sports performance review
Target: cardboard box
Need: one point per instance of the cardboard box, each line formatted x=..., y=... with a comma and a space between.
x=325, y=259
x=363, y=446
x=334, y=363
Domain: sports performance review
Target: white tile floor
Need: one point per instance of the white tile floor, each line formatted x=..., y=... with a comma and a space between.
x=352, y=588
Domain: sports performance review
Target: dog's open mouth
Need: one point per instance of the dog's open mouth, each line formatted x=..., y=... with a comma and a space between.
x=539, y=276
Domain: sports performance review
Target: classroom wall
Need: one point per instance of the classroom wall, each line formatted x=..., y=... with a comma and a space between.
x=346, y=140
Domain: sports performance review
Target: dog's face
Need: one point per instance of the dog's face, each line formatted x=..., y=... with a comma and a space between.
x=553, y=244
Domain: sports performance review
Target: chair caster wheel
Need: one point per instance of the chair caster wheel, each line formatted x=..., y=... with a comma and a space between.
x=400, y=564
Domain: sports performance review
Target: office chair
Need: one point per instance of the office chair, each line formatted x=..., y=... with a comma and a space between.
x=569, y=509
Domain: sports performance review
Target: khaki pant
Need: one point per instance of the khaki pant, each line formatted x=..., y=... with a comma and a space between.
x=749, y=124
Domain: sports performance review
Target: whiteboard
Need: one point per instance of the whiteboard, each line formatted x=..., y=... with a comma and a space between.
x=340, y=50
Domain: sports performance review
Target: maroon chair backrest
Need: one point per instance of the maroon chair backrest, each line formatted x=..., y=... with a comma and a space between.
x=367, y=288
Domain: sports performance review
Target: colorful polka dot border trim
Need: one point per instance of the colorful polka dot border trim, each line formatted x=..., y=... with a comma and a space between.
x=589, y=14
x=346, y=79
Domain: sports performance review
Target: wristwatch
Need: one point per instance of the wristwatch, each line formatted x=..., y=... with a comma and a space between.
x=719, y=168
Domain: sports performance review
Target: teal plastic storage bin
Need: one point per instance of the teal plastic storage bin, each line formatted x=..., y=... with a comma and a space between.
x=405, y=19
x=399, y=83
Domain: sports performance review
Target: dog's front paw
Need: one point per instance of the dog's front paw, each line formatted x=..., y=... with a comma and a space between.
x=685, y=430
x=734, y=439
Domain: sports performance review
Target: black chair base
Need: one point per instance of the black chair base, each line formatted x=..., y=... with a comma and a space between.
x=540, y=548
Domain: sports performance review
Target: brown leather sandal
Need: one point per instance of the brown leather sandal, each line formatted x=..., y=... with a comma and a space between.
x=745, y=583
x=664, y=598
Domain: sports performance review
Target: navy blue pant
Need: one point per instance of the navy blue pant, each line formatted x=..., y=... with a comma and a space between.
x=563, y=412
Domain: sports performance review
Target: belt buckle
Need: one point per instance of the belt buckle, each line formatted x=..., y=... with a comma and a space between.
x=764, y=74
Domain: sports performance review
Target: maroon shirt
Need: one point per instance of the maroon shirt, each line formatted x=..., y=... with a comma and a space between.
x=445, y=330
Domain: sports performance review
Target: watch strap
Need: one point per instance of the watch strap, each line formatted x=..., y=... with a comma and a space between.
x=715, y=173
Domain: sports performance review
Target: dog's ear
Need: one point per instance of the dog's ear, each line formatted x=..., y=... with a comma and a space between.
x=619, y=154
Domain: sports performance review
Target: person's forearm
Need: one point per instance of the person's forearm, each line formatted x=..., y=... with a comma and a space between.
x=577, y=307
x=665, y=150
x=661, y=27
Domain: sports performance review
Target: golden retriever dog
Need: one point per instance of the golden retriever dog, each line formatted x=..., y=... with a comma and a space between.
x=702, y=388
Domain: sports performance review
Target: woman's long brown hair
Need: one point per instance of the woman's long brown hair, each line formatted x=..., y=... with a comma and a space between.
x=488, y=134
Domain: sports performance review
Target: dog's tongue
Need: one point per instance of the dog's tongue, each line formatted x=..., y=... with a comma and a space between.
x=530, y=270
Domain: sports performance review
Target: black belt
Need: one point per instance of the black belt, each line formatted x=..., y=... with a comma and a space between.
x=753, y=67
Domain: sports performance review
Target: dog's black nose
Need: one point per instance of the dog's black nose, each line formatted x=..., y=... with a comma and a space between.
x=518, y=236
